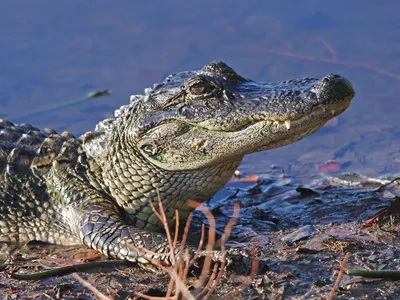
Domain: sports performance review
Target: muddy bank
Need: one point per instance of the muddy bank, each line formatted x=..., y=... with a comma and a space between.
x=303, y=232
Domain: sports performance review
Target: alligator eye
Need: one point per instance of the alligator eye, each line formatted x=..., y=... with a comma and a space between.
x=150, y=149
x=200, y=88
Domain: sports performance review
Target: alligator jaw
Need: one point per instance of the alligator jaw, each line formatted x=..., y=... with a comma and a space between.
x=206, y=147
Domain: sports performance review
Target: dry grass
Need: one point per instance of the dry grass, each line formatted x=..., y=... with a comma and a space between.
x=213, y=265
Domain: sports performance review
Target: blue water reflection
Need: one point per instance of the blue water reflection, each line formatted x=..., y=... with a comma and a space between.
x=54, y=52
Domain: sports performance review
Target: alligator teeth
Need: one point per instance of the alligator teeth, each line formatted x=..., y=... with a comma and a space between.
x=269, y=123
x=333, y=111
x=276, y=123
x=287, y=124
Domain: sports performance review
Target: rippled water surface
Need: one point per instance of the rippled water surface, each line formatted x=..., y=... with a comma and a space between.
x=53, y=52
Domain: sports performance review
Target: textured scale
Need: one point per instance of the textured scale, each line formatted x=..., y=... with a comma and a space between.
x=26, y=211
x=185, y=137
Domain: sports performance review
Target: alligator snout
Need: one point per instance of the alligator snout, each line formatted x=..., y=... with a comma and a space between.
x=338, y=83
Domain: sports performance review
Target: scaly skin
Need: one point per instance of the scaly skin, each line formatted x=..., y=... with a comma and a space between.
x=185, y=136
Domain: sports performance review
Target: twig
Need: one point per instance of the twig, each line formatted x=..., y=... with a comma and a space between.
x=185, y=268
x=343, y=264
x=224, y=238
x=329, y=47
x=163, y=218
x=208, y=288
x=186, y=232
x=170, y=288
x=172, y=271
x=177, y=266
x=210, y=243
x=249, y=279
x=179, y=284
x=255, y=264
x=332, y=61
x=175, y=242
x=180, y=268
x=201, y=242
x=91, y=95
x=229, y=226
x=94, y=290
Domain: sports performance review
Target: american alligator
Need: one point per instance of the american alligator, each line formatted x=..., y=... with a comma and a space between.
x=185, y=137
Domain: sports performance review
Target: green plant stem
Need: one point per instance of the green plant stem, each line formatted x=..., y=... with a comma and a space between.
x=393, y=274
x=91, y=95
x=67, y=270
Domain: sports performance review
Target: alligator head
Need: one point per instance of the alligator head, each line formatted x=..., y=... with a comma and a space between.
x=196, y=119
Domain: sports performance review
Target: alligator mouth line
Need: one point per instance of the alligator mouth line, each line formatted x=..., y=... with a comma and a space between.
x=286, y=123
x=324, y=113
x=328, y=114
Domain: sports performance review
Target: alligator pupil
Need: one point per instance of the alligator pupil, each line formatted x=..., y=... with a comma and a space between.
x=198, y=88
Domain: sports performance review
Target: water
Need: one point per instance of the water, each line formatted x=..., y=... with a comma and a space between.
x=55, y=52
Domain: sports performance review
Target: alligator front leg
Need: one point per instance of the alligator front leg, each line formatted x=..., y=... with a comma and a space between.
x=102, y=228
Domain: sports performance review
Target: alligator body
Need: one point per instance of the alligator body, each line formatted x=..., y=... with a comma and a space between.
x=185, y=136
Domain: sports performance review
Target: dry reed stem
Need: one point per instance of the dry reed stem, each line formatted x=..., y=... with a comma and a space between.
x=186, y=232
x=343, y=266
x=248, y=280
x=196, y=255
x=171, y=283
x=224, y=238
x=171, y=272
x=229, y=226
x=182, y=266
x=175, y=242
x=201, y=242
x=184, y=270
x=210, y=243
x=163, y=218
x=207, y=290
x=180, y=269
x=170, y=288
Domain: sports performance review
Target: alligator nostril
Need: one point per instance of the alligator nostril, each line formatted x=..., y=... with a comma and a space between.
x=326, y=80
